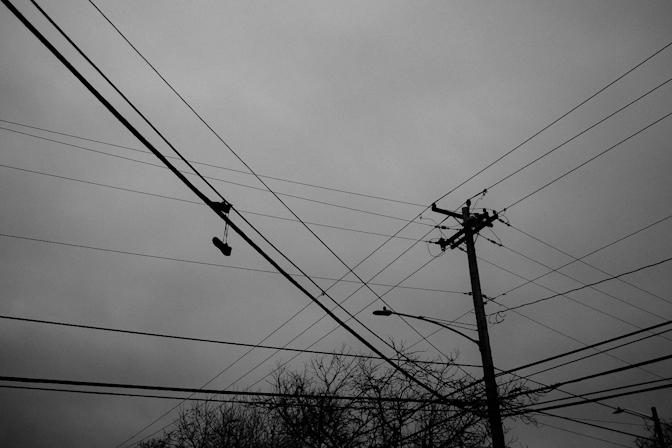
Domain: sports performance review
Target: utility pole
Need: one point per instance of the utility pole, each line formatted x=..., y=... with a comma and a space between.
x=657, y=428
x=471, y=225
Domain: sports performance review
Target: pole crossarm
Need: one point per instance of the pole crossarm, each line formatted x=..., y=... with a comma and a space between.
x=475, y=221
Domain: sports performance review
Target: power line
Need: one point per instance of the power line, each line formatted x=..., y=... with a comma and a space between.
x=195, y=190
x=600, y=352
x=205, y=263
x=211, y=165
x=350, y=270
x=340, y=279
x=550, y=270
x=289, y=342
x=215, y=208
x=592, y=126
x=548, y=126
x=212, y=178
x=593, y=400
x=584, y=400
x=580, y=104
x=552, y=123
x=600, y=154
x=585, y=435
x=572, y=352
x=391, y=287
x=610, y=389
x=583, y=257
x=375, y=250
x=587, y=347
x=210, y=399
x=589, y=285
x=554, y=329
x=311, y=231
x=605, y=373
x=578, y=302
x=581, y=422
x=200, y=194
x=218, y=210
x=196, y=339
x=334, y=329
x=245, y=393
x=187, y=201
x=225, y=217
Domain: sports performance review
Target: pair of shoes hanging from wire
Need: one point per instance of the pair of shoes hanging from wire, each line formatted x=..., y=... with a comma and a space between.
x=223, y=244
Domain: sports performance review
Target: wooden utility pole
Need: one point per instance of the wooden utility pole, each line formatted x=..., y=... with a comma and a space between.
x=657, y=428
x=471, y=225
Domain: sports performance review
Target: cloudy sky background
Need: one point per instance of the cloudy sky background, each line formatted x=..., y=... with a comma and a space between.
x=401, y=100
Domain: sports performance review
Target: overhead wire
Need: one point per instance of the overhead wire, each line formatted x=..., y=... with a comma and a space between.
x=582, y=258
x=212, y=165
x=598, y=310
x=609, y=389
x=584, y=397
x=583, y=400
x=647, y=362
x=584, y=285
x=226, y=144
x=610, y=115
x=586, y=347
x=594, y=425
x=258, y=403
x=550, y=327
x=580, y=104
x=586, y=100
x=600, y=154
x=575, y=136
x=592, y=126
x=594, y=400
x=334, y=329
x=165, y=161
x=555, y=121
x=350, y=270
x=188, y=201
x=194, y=189
x=245, y=393
x=589, y=347
x=588, y=436
x=589, y=285
x=314, y=343
x=204, y=263
x=207, y=340
x=212, y=178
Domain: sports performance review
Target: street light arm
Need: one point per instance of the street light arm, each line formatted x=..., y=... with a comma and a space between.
x=440, y=324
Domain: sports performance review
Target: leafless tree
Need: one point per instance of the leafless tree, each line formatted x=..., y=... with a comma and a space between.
x=342, y=401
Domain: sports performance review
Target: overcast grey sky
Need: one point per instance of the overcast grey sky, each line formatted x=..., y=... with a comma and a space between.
x=402, y=100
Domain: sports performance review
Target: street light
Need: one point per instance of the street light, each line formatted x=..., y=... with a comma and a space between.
x=388, y=312
x=653, y=417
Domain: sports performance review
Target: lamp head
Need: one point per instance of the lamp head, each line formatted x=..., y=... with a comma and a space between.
x=383, y=312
